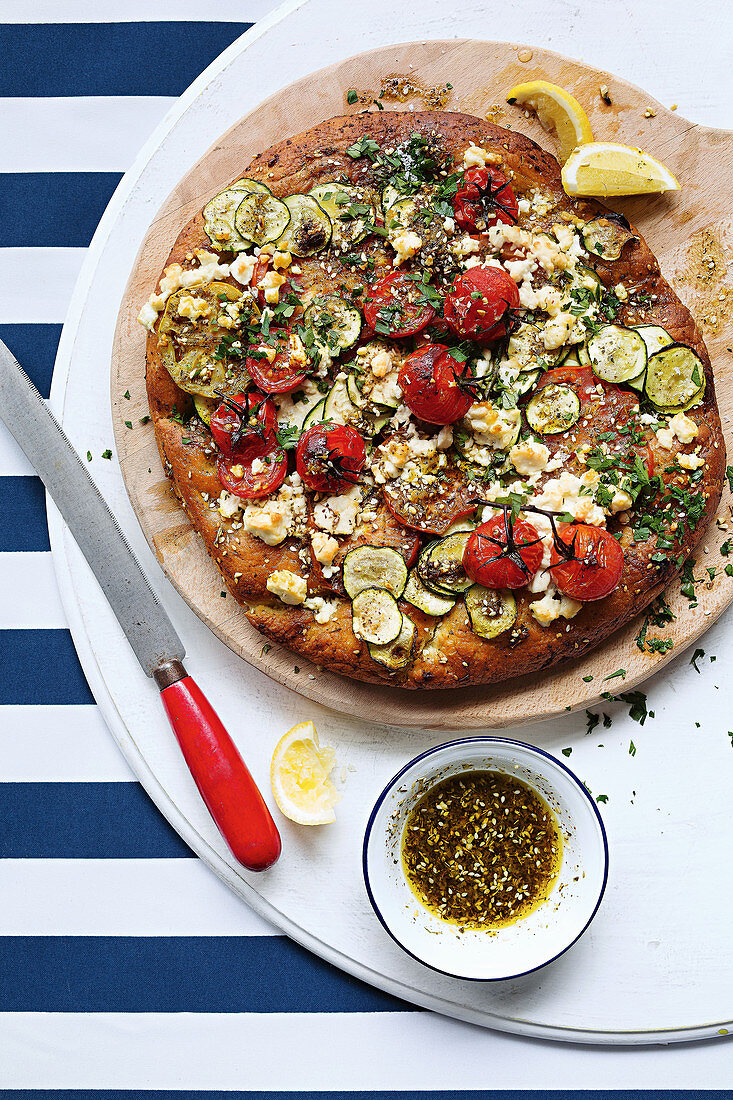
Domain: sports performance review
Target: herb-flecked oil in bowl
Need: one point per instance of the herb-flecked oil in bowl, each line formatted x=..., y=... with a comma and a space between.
x=482, y=849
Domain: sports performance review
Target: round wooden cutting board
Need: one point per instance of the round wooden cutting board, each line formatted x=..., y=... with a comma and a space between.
x=690, y=232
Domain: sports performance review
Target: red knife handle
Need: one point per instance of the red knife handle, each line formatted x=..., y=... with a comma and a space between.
x=226, y=786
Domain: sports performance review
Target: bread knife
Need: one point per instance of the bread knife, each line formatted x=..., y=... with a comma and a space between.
x=223, y=780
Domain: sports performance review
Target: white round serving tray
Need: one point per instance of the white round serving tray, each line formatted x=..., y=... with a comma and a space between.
x=657, y=963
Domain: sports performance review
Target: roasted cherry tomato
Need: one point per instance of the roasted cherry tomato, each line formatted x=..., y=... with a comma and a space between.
x=257, y=468
x=395, y=306
x=237, y=417
x=595, y=566
x=329, y=457
x=484, y=198
x=503, y=553
x=478, y=304
x=431, y=384
x=278, y=365
x=417, y=505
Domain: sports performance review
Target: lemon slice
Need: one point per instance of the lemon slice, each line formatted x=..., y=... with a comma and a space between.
x=604, y=168
x=557, y=110
x=299, y=777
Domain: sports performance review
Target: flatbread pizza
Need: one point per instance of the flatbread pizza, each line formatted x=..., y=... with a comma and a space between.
x=437, y=423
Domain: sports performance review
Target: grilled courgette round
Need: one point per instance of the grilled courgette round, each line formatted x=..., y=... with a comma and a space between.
x=675, y=378
x=220, y=211
x=432, y=603
x=397, y=654
x=440, y=565
x=617, y=353
x=308, y=229
x=553, y=409
x=490, y=611
x=350, y=209
x=260, y=218
x=336, y=322
x=374, y=567
x=376, y=617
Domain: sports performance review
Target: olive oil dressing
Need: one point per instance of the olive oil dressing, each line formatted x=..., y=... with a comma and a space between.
x=482, y=849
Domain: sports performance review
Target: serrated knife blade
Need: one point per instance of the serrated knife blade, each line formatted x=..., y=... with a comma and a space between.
x=97, y=533
x=221, y=775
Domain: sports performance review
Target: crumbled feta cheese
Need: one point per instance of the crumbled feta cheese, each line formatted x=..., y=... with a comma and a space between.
x=406, y=245
x=278, y=516
x=465, y=247
x=680, y=427
x=147, y=316
x=323, y=610
x=229, y=505
x=325, y=547
x=529, y=457
x=287, y=586
x=477, y=157
x=554, y=605
x=557, y=331
x=271, y=282
x=568, y=493
x=684, y=428
x=337, y=514
x=621, y=501
x=444, y=439
x=491, y=426
x=381, y=363
x=242, y=269
x=690, y=462
x=281, y=260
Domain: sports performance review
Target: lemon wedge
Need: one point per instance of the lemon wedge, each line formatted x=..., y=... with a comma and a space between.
x=299, y=777
x=556, y=110
x=604, y=168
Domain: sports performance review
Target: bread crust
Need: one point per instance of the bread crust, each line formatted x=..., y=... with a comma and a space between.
x=448, y=653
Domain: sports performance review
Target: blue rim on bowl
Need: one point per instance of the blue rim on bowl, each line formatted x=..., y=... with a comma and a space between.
x=392, y=891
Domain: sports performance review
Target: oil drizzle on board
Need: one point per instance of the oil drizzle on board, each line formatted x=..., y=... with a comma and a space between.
x=481, y=849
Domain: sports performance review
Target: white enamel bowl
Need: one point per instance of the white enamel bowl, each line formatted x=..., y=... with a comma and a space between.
x=528, y=944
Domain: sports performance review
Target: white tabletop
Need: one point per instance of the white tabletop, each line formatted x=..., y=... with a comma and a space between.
x=681, y=54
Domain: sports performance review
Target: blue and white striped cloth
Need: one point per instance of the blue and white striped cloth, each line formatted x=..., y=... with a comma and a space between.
x=124, y=964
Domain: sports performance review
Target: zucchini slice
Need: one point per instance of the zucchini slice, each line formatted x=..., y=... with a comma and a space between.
x=374, y=567
x=188, y=346
x=675, y=378
x=219, y=214
x=350, y=209
x=586, y=277
x=432, y=603
x=260, y=218
x=440, y=565
x=308, y=229
x=314, y=414
x=390, y=195
x=526, y=346
x=638, y=382
x=606, y=237
x=553, y=409
x=401, y=213
x=397, y=654
x=352, y=388
x=204, y=408
x=617, y=353
x=338, y=406
x=336, y=322
x=655, y=337
x=516, y=382
x=490, y=611
x=376, y=617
